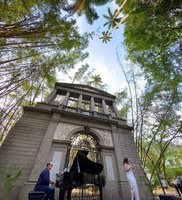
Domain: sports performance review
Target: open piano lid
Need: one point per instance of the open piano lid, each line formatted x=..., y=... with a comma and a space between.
x=85, y=164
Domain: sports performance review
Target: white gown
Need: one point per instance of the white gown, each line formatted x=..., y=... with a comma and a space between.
x=133, y=185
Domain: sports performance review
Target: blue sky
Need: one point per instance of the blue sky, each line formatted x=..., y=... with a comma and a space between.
x=102, y=56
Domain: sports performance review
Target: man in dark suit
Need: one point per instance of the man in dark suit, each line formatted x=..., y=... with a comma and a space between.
x=44, y=181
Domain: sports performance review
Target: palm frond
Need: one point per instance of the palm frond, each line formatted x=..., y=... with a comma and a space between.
x=112, y=21
x=91, y=15
x=105, y=37
x=105, y=16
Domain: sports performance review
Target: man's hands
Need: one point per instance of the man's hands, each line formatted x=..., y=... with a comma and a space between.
x=52, y=181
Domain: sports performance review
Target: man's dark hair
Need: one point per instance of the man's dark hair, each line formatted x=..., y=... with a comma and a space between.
x=49, y=163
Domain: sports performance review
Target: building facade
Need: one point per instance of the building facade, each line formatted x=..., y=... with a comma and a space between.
x=73, y=116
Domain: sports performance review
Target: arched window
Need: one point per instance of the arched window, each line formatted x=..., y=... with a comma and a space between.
x=83, y=141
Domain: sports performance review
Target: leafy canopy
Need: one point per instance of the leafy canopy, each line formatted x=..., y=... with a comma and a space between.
x=37, y=40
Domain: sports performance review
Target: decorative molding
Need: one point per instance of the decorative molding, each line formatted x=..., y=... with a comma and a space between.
x=63, y=130
x=61, y=141
x=87, y=128
x=106, y=136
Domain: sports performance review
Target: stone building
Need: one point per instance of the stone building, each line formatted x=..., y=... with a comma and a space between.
x=48, y=131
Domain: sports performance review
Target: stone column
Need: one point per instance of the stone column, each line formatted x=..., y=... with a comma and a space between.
x=51, y=97
x=65, y=101
x=66, y=98
x=115, y=110
x=92, y=104
x=104, y=109
x=111, y=189
x=45, y=147
x=79, y=104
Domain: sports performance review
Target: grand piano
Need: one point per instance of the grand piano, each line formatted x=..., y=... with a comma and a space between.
x=82, y=172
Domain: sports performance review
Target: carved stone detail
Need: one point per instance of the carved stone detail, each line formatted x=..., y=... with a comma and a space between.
x=63, y=129
x=106, y=136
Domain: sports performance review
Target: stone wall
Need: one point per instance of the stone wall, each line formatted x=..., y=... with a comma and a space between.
x=125, y=147
x=39, y=137
x=20, y=149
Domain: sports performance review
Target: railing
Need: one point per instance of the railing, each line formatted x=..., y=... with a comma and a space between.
x=90, y=189
x=69, y=109
x=88, y=197
x=86, y=112
x=90, y=192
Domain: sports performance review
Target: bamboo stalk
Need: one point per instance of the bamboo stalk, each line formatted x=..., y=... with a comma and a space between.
x=120, y=8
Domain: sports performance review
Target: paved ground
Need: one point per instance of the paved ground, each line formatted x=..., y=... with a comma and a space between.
x=157, y=192
x=170, y=191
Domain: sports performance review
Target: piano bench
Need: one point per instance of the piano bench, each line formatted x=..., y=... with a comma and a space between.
x=36, y=195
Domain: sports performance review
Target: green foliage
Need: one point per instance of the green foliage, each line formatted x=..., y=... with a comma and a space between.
x=170, y=164
x=85, y=7
x=95, y=80
x=105, y=37
x=36, y=41
x=85, y=75
x=152, y=37
x=112, y=20
x=121, y=96
x=124, y=111
x=157, y=121
x=171, y=172
x=80, y=73
x=1, y=138
x=9, y=181
x=122, y=102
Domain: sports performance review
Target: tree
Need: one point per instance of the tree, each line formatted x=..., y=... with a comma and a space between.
x=36, y=41
x=156, y=120
x=112, y=19
x=80, y=73
x=173, y=161
x=85, y=75
x=152, y=37
x=122, y=101
x=85, y=7
x=153, y=44
x=95, y=80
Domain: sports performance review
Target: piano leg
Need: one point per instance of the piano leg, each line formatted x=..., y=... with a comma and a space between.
x=69, y=194
x=100, y=191
x=82, y=194
x=61, y=193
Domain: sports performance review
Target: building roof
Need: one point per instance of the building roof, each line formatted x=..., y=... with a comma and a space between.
x=82, y=87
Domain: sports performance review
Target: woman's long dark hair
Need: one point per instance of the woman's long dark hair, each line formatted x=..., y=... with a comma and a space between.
x=125, y=160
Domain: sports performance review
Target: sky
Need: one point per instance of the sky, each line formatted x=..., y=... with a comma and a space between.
x=102, y=56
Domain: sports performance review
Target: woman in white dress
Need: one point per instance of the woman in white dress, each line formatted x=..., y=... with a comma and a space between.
x=131, y=179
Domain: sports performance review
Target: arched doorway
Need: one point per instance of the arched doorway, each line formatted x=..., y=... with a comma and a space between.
x=84, y=142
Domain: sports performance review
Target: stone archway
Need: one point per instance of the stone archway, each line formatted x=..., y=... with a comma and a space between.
x=87, y=130
x=84, y=141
